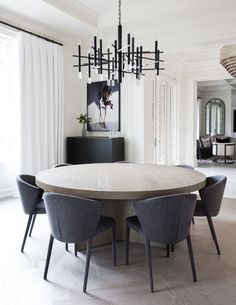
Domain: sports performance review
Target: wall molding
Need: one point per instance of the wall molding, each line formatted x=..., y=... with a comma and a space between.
x=6, y=193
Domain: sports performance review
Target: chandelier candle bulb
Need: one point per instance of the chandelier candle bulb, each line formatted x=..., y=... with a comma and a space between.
x=79, y=75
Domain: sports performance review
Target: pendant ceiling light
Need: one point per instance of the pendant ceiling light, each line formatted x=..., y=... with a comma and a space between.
x=228, y=58
x=115, y=62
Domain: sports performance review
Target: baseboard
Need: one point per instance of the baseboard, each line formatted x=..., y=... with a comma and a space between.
x=6, y=193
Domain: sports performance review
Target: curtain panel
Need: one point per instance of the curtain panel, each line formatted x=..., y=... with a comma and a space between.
x=42, y=100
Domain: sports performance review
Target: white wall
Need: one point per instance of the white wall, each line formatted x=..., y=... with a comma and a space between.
x=187, y=123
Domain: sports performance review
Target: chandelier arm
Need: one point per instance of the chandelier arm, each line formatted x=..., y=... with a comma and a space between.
x=95, y=50
x=115, y=49
x=119, y=9
x=153, y=69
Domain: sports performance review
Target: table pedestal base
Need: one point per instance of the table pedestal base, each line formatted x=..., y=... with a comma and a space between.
x=118, y=210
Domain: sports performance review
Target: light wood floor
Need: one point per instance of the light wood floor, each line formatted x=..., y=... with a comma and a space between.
x=21, y=280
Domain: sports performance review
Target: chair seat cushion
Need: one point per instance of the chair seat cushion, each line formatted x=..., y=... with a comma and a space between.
x=199, y=210
x=134, y=223
x=105, y=223
x=40, y=208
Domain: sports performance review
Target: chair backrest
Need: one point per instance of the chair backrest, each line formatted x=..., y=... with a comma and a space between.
x=72, y=219
x=185, y=166
x=30, y=193
x=166, y=220
x=212, y=194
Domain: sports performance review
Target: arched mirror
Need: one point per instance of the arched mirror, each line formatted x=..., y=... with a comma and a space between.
x=215, y=117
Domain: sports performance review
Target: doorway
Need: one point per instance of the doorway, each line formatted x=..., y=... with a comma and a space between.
x=165, y=121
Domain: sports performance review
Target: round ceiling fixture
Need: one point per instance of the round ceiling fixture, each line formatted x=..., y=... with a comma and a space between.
x=228, y=58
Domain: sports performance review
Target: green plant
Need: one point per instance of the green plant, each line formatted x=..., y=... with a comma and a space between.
x=84, y=119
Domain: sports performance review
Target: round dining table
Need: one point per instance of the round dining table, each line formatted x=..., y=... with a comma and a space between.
x=118, y=185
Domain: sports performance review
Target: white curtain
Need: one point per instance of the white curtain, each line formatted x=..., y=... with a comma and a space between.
x=132, y=114
x=42, y=97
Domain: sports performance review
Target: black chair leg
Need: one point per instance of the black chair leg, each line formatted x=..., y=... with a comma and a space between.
x=75, y=248
x=32, y=225
x=66, y=247
x=88, y=255
x=26, y=232
x=48, y=256
x=172, y=247
x=168, y=250
x=114, y=245
x=149, y=263
x=190, y=251
x=213, y=234
x=127, y=245
x=193, y=222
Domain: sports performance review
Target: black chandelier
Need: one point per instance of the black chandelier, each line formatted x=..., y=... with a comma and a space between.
x=119, y=61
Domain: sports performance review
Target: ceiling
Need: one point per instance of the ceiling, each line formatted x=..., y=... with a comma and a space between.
x=213, y=85
x=193, y=30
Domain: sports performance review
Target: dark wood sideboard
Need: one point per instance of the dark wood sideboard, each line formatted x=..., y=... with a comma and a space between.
x=94, y=150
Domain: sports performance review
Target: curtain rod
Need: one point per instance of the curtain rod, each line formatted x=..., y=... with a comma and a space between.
x=39, y=36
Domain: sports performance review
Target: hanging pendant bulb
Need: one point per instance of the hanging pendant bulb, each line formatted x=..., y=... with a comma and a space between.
x=79, y=75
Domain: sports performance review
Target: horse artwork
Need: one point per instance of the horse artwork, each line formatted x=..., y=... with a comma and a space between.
x=103, y=106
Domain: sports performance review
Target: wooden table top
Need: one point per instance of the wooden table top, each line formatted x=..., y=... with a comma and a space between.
x=120, y=181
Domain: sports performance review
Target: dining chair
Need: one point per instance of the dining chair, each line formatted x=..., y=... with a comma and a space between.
x=32, y=202
x=209, y=205
x=165, y=220
x=188, y=167
x=66, y=244
x=185, y=166
x=62, y=164
x=123, y=162
x=74, y=219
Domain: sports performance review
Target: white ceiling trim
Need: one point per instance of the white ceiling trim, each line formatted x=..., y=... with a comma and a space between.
x=75, y=9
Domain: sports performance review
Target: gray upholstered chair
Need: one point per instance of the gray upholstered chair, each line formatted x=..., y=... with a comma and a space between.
x=32, y=202
x=72, y=220
x=165, y=220
x=209, y=205
x=66, y=245
x=62, y=164
x=189, y=167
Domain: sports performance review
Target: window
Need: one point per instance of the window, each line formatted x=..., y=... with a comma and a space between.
x=9, y=98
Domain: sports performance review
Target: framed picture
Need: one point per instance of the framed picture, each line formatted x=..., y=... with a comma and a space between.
x=103, y=106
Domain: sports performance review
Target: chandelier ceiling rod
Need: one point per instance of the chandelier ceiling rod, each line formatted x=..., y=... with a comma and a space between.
x=120, y=61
